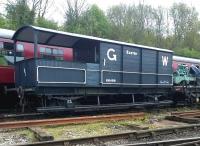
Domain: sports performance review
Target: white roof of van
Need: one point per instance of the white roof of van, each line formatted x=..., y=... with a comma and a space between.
x=6, y=33
x=186, y=59
x=65, y=39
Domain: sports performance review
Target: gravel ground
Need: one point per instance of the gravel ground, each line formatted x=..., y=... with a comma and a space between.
x=15, y=136
x=184, y=134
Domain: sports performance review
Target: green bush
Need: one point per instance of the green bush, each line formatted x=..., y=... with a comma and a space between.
x=2, y=61
x=187, y=52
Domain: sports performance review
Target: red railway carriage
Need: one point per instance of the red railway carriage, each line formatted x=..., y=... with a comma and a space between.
x=177, y=60
x=26, y=50
x=6, y=48
x=6, y=75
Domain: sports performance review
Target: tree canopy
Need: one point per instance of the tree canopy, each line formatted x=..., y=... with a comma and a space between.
x=176, y=28
x=92, y=22
x=18, y=14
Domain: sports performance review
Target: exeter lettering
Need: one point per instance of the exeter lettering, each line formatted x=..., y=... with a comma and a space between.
x=131, y=53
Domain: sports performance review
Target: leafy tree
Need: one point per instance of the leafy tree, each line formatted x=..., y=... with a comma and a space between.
x=73, y=14
x=187, y=52
x=19, y=14
x=120, y=19
x=3, y=23
x=94, y=22
x=132, y=23
x=184, y=20
x=42, y=22
x=40, y=7
x=90, y=20
x=159, y=28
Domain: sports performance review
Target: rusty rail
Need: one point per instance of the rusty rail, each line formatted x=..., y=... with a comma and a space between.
x=187, y=113
x=63, y=121
x=190, y=117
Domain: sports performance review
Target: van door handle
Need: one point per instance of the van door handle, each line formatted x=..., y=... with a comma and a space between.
x=104, y=62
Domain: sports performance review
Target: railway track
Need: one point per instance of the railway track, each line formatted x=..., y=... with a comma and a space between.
x=193, y=143
x=186, y=113
x=192, y=117
x=10, y=117
x=155, y=137
x=175, y=142
x=40, y=115
x=61, y=121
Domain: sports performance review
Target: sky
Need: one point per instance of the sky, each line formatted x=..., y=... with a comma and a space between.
x=56, y=12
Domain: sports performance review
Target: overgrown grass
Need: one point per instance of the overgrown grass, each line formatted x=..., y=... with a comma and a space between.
x=77, y=130
x=92, y=129
x=27, y=133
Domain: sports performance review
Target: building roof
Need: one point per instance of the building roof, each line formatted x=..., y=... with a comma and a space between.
x=6, y=33
x=64, y=39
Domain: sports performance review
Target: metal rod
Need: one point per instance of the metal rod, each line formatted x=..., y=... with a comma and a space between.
x=35, y=33
x=95, y=54
x=133, y=98
x=98, y=100
x=15, y=47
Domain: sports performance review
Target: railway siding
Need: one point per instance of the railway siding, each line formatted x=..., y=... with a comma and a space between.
x=111, y=126
x=191, y=117
x=172, y=135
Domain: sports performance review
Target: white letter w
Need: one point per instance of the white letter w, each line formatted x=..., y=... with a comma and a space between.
x=164, y=60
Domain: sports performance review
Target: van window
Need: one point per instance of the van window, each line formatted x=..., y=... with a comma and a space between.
x=20, y=48
x=60, y=52
x=8, y=46
x=42, y=50
x=55, y=52
x=48, y=51
x=1, y=45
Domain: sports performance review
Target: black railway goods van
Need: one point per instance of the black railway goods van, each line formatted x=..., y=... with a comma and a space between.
x=99, y=66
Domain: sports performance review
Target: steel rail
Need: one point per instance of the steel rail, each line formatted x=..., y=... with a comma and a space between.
x=187, y=113
x=62, y=121
x=192, y=143
x=4, y=117
x=184, y=112
x=173, y=142
x=191, y=117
